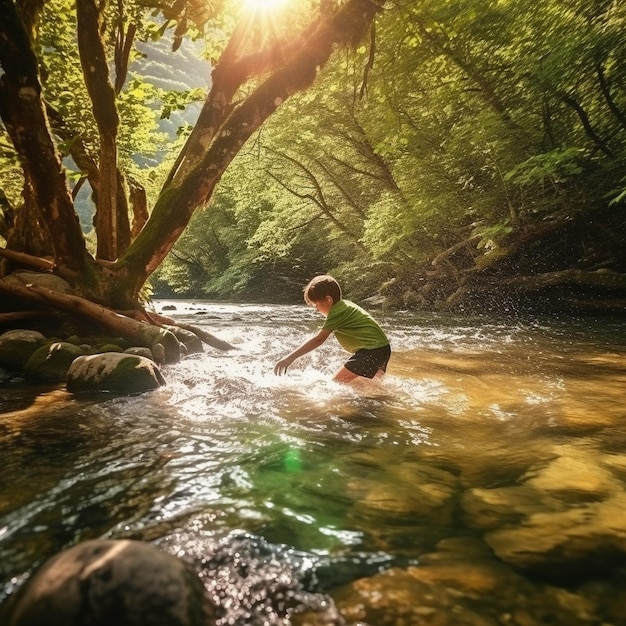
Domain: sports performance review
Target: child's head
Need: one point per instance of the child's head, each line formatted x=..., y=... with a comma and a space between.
x=321, y=287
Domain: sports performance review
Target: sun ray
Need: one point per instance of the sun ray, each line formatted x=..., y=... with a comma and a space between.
x=263, y=5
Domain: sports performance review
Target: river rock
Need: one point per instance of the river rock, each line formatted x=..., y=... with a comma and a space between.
x=414, y=490
x=570, y=542
x=17, y=346
x=39, y=279
x=190, y=340
x=113, y=371
x=450, y=593
x=408, y=597
x=140, y=351
x=575, y=475
x=567, y=517
x=113, y=583
x=158, y=353
x=489, y=509
x=166, y=339
x=50, y=363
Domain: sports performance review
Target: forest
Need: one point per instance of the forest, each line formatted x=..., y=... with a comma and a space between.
x=463, y=156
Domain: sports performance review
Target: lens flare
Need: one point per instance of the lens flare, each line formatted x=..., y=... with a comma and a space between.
x=263, y=5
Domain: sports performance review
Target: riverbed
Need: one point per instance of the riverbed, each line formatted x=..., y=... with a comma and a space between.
x=482, y=482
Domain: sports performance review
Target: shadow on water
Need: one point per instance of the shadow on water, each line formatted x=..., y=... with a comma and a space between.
x=484, y=478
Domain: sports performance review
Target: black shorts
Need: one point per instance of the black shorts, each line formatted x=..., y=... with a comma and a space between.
x=367, y=362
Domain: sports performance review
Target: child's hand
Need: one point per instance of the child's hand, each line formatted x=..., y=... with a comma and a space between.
x=281, y=367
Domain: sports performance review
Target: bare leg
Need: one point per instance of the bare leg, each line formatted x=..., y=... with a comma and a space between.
x=344, y=375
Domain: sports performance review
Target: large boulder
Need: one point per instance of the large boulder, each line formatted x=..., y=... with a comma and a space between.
x=17, y=346
x=113, y=583
x=113, y=371
x=39, y=279
x=51, y=362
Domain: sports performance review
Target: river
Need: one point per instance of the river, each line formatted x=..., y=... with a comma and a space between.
x=482, y=483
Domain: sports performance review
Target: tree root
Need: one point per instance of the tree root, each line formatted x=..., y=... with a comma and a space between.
x=137, y=333
x=138, y=327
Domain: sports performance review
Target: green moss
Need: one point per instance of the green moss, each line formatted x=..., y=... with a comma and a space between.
x=16, y=347
x=132, y=375
x=118, y=373
x=51, y=362
x=107, y=347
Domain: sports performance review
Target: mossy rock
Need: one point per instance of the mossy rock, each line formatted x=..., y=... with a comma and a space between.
x=39, y=279
x=17, y=346
x=190, y=340
x=119, y=341
x=51, y=362
x=141, y=351
x=113, y=371
x=107, y=347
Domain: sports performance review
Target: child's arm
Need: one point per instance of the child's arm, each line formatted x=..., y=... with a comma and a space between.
x=307, y=346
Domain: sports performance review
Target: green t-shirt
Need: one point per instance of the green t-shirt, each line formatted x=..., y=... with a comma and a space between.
x=354, y=327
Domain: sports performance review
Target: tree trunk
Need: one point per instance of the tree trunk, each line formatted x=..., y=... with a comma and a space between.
x=111, y=221
x=194, y=181
x=24, y=116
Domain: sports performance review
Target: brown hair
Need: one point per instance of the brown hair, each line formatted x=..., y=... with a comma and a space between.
x=320, y=287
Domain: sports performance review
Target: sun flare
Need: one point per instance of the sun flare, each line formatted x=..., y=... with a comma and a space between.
x=263, y=5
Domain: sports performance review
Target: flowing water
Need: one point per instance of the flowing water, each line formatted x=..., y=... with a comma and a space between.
x=483, y=482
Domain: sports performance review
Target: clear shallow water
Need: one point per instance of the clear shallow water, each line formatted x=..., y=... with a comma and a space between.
x=482, y=483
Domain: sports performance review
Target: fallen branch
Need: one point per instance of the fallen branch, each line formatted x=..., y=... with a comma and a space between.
x=453, y=249
x=207, y=337
x=600, y=279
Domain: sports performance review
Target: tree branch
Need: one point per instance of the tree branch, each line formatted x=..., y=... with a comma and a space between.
x=111, y=221
x=184, y=194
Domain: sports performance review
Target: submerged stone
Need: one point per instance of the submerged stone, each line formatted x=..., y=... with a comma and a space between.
x=567, y=520
x=106, y=583
x=568, y=543
x=449, y=593
x=113, y=371
x=412, y=491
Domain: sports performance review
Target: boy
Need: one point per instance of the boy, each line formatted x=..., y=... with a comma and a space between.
x=355, y=330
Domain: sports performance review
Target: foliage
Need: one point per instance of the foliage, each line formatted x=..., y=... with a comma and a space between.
x=450, y=134
x=479, y=119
